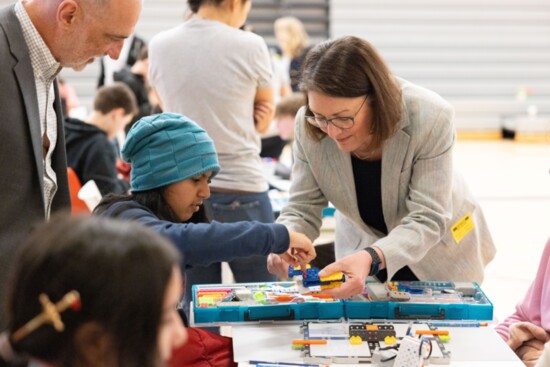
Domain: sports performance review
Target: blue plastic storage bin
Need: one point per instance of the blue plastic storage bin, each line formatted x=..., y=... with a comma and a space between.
x=242, y=302
x=426, y=301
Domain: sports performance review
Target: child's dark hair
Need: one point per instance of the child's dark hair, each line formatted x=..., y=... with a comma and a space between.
x=121, y=270
x=195, y=5
x=116, y=95
x=153, y=200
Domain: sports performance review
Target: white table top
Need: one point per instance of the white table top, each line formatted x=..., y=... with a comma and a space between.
x=469, y=346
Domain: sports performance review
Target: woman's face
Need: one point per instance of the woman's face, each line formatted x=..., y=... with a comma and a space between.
x=355, y=139
x=185, y=197
x=172, y=333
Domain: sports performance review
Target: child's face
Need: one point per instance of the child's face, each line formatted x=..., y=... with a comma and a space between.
x=172, y=333
x=185, y=197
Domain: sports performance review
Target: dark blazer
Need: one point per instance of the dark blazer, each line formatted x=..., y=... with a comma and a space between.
x=21, y=162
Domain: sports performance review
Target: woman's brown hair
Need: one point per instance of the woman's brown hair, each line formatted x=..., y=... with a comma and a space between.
x=351, y=67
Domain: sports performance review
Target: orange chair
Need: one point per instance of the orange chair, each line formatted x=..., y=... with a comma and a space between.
x=77, y=206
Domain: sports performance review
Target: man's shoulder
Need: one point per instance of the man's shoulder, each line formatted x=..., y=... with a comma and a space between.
x=11, y=35
x=7, y=18
x=6, y=11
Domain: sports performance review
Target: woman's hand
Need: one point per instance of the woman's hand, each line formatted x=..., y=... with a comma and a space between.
x=355, y=267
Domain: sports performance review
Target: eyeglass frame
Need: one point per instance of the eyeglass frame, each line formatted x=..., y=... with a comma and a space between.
x=312, y=119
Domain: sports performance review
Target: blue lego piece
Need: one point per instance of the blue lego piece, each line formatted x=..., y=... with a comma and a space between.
x=311, y=272
x=294, y=272
x=312, y=277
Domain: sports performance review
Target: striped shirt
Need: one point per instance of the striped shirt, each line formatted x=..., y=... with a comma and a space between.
x=45, y=69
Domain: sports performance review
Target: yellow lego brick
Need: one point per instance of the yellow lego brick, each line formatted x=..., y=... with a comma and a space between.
x=332, y=277
x=331, y=285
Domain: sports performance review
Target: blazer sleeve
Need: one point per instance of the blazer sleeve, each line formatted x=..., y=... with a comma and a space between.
x=306, y=202
x=428, y=202
x=535, y=304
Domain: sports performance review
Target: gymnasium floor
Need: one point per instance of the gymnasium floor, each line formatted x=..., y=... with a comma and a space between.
x=512, y=182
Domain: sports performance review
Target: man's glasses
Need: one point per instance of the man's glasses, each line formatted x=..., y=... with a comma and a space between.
x=341, y=122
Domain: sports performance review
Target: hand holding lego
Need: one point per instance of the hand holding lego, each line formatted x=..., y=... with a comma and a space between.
x=356, y=269
x=527, y=341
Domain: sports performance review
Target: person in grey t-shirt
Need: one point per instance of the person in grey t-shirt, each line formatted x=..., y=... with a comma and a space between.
x=220, y=76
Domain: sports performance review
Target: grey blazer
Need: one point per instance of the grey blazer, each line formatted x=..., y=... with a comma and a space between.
x=21, y=163
x=422, y=197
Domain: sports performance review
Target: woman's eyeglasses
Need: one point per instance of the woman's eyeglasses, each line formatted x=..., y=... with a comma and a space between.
x=341, y=122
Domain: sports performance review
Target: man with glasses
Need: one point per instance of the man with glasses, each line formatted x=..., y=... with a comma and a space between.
x=380, y=150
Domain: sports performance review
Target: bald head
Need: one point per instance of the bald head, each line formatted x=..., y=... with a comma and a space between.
x=77, y=31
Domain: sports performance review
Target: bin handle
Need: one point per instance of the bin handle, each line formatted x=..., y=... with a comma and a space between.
x=290, y=316
x=399, y=315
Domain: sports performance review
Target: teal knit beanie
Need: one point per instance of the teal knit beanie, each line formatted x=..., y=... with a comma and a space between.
x=167, y=148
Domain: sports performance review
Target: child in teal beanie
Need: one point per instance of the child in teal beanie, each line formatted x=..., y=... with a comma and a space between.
x=173, y=160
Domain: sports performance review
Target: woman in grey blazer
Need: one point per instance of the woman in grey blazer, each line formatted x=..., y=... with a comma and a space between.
x=380, y=150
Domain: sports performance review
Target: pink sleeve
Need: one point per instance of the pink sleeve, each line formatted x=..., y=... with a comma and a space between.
x=535, y=306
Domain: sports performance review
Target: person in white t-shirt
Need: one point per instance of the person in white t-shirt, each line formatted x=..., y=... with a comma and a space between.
x=221, y=77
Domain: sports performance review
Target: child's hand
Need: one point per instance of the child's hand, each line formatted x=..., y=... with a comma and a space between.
x=300, y=250
x=527, y=341
x=530, y=352
x=523, y=331
x=277, y=266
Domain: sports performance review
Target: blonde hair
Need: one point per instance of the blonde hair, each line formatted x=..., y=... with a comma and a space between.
x=297, y=39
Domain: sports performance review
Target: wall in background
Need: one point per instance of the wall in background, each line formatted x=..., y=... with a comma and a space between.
x=490, y=58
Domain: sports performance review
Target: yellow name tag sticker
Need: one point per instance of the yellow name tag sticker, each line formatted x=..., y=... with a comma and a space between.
x=462, y=227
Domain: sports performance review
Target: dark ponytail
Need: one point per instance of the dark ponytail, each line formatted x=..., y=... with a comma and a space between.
x=195, y=5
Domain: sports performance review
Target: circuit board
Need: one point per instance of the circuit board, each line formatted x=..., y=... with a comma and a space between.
x=368, y=342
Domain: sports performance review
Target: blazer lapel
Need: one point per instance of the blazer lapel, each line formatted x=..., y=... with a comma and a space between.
x=25, y=77
x=342, y=173
x=393, y=156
